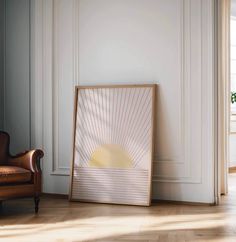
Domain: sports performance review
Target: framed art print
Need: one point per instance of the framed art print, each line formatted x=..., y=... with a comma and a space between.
x=113, y=144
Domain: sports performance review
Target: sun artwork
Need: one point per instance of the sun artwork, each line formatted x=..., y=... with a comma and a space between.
x=110, y=156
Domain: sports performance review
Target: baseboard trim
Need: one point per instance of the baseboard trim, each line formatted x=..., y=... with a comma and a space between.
x=54, y=195
x=160, y=201
x=154, y=201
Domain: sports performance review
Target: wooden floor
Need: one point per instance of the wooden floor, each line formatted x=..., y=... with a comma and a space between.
x=59, y=220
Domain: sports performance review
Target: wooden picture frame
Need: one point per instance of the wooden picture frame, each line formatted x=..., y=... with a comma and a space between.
x=112, y=161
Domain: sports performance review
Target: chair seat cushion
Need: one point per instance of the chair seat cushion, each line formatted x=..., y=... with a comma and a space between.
x=13, y=174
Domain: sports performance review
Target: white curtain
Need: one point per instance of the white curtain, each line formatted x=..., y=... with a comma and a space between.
x=223, y=27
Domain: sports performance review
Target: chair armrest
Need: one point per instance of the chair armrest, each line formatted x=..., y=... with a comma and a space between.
x=29, y=160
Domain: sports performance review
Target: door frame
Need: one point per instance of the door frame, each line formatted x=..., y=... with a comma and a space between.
x=222, y=91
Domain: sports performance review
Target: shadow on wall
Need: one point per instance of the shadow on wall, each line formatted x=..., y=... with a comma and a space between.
x=1, y=63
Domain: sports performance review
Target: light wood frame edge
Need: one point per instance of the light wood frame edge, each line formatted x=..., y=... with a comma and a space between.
x=154, y=116
x=73, y=150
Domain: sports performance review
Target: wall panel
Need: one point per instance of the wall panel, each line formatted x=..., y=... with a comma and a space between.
x=134, y=41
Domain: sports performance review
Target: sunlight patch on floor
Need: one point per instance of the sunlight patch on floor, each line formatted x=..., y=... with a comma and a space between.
x=95, y=228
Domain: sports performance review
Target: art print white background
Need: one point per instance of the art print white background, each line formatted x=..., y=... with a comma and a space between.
x=121, y=117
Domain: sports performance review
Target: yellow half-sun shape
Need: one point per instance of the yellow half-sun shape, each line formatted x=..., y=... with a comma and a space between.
x=110, y=156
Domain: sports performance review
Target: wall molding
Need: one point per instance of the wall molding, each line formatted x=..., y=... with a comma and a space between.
x=182, y=160
x=187, y=52
x=179, y=159
x=57, y=168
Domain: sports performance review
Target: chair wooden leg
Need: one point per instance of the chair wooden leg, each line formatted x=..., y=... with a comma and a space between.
x=36, y=202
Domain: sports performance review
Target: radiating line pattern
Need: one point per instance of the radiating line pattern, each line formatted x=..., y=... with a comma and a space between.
x=113, y=144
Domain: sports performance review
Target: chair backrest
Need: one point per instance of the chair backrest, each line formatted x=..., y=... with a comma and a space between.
x=4, y=147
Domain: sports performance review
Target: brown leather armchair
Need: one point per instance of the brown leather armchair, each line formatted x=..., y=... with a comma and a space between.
x=20, y=175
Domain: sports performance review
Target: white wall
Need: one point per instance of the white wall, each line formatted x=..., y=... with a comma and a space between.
x=1, y=63
x=17, y=74
x=169, y=42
